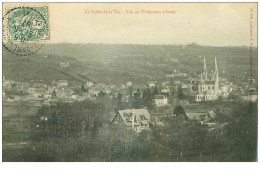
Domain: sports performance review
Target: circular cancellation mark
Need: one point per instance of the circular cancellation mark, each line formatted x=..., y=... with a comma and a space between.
x=25, y=29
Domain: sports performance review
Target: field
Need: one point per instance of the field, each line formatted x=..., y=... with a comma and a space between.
x=15, y=130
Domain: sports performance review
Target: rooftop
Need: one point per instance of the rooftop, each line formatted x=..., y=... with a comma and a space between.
x=140, y=116
x=159, y=97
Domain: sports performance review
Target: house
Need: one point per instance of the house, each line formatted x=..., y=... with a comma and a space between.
x=22, y=85
x=166, y=83
x=156, y=121
x=198, y=116
x=129, y=84
x=176, y=82
x=37, y=83
x=64, y=93
x=63, y=83
x=160, y=100
x=64, y=64
x=250, y=97
x=166, y=90
x=89, y=83
x=224, y=91
x=205, y=118
x=60, y=83
x=74, y=96
x=137, y=119
x=151, y=84
x=211, y=115
x=7, y=83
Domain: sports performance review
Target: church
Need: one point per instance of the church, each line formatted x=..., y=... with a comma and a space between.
x=207, y=87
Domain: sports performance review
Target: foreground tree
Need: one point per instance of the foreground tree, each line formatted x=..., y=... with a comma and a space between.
x=241, y=132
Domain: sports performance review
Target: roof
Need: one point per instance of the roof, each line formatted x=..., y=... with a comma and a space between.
x=166, y=82
x=196, y=116
x=151, y=82
x=141, y=116
x=208, y=82
x=159, y=97
x=212, y=114
x=63, y=81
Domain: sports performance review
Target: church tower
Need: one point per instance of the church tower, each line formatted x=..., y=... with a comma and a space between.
x=216, y=78
x=204, y=75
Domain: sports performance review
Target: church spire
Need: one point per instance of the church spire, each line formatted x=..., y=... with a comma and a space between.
x=216, y=70
x=216, y=78
x=216, y=66
x=205, y=68
x=205, y=75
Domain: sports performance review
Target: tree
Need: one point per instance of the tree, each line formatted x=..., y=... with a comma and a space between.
x=147, y=98
x=136, y=99
x=179, y=110
x=155, y=91
x=58, y=135
x=83, y=89
x=101, y=94
x=180, y=94
x=119, y=100
x=233, y=97
x=53, y=94
x=241, y=132
x=177, y=139
x=130, y=94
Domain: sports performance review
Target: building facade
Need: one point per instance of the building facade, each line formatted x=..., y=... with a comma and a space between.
x=207, y=87
x=160, y=100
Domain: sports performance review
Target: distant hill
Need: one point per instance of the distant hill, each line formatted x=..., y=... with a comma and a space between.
x=119, y=63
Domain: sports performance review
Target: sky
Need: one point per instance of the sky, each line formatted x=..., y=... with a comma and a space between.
x=213, y=24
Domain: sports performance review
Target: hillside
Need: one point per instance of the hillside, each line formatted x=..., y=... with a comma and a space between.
x=119, y=63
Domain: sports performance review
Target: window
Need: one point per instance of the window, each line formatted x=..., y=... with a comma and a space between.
x=209, y=87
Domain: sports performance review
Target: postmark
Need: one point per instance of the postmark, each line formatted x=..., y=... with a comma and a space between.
x=25, y=29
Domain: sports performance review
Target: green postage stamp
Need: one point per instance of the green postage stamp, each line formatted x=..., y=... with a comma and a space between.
x=25, y=29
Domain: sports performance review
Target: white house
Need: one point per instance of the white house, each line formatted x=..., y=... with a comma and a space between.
x=166, y=90
x=160, y=100
x=64, y=64
x=89, y=83
x=128, y=84
x=151, y=83
x=137, y=119
x=63, y=83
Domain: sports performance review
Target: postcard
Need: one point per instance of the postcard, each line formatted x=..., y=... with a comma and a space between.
x=129, y=82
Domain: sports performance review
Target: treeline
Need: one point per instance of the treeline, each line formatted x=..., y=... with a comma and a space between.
x=82, y=131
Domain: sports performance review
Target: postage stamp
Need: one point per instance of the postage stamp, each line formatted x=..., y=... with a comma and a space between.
x=25, y=29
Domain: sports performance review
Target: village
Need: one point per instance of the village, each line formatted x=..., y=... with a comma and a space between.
x=139, y=107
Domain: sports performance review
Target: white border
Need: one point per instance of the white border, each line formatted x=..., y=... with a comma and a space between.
x=127, y=170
